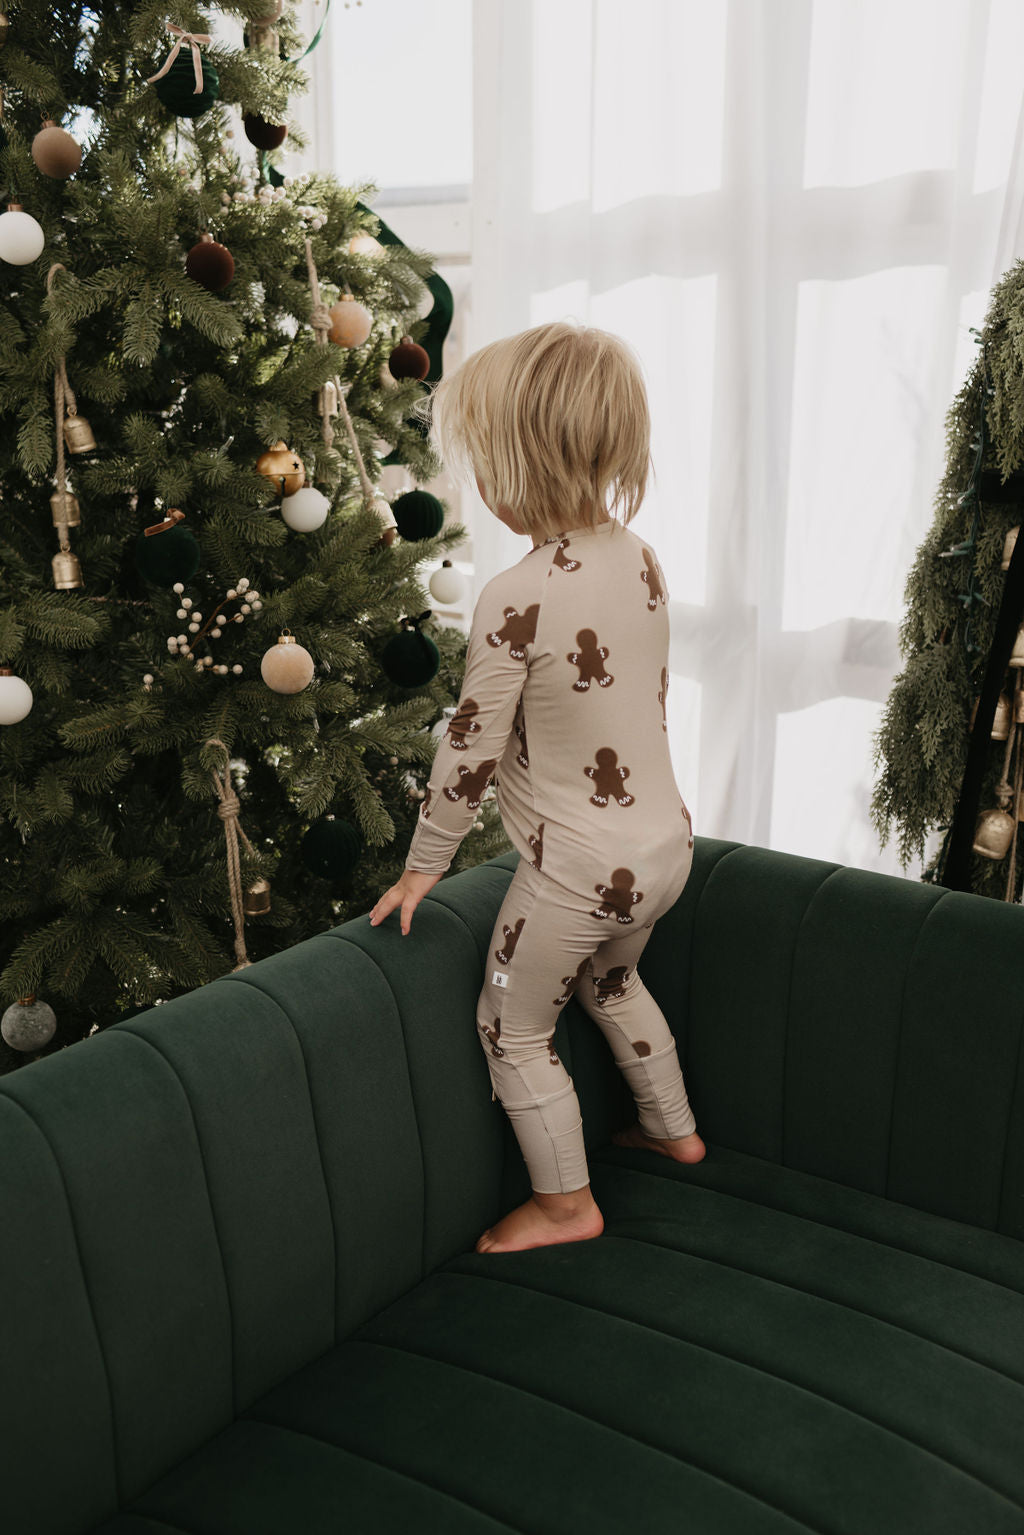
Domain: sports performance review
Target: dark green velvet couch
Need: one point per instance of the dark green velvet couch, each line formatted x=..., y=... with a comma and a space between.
x=239, y=1289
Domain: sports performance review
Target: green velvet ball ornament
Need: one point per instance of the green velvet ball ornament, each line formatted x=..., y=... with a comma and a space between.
x=411, y=659
x=330, y=848
x=164, y=558
x=177, y=88
x=418, y=514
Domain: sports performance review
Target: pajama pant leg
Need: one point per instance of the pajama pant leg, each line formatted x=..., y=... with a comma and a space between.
x=541, y=949
x=613, y=994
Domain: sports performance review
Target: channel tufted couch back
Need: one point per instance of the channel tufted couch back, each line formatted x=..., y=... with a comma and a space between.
x=198, y=1202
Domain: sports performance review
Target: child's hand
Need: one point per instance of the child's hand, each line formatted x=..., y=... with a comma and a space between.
x=407, y=894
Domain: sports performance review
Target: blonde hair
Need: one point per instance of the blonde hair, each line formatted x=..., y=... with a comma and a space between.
x=554, y=421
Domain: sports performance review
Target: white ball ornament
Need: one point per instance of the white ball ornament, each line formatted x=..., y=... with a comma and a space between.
x=287, y=667
x=21, y=237
x=15, y=697
x=447, y=585
x=306, y=510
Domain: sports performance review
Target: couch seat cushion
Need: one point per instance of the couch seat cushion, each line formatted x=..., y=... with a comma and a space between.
x=747, y=1350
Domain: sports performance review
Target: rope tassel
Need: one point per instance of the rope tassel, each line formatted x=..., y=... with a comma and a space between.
x=228, y=810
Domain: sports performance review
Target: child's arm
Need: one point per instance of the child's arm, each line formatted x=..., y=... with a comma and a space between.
x=497, y=659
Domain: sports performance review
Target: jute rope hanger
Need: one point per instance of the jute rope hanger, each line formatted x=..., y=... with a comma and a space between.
x=228, y=809
x=321, y=322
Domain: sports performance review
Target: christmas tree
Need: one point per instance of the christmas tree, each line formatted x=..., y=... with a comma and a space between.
x=207, y=685
x=950, y=742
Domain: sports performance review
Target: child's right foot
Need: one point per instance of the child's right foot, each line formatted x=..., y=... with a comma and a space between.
x=688, y=1148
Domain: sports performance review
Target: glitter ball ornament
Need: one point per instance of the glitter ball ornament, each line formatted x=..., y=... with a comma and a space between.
x=21, y=237
x=330, y=848
x=418, y=515
x=409, y=360
x=177, y=88
x=15, y=697
x=210, y=264
x=306, y=510
x=283, y=467
x=55, y=152
x=287, y=667
x=351, y=322
x=447, y=585
x=263, y=134
x=28, y=1024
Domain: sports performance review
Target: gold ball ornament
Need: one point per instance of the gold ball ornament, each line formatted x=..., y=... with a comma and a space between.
x=283, y=467
x=55, y=152
x=994, y=833
x=351, y=322
x=287, y=667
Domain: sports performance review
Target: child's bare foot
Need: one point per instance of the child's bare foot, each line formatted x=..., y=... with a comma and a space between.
x=544, y=1220
x=688, y=1148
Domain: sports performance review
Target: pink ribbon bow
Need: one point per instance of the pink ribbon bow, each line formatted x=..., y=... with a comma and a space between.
x=194, y=39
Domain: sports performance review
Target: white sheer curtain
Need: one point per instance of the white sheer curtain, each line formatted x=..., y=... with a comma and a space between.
x=794, y=210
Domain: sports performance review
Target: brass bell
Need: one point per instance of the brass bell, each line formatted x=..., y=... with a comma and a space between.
x=1001, y=719
x=1009, y=544
x=67, y=572
x=78, y=436
x=257, y=898
x=66, y=511
x=994, y=833
x=264, y=39
x=1017, y=655
x=327, y=400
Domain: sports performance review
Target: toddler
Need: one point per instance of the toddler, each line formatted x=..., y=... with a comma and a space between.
x=563, y=705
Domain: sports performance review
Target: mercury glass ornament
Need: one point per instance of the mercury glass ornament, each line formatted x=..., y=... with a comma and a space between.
x=28, y=1024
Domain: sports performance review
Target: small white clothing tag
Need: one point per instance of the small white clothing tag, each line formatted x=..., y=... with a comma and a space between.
x=499, y=978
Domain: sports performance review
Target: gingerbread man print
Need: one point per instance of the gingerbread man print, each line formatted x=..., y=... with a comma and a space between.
x=618, y=897
x=552, y=1057
x=427, y=797
x=518, y=631
x=537, y=843
x=609, y=987
x=464, y=724
x=561, y=560
x=663, y=696
x=522, y=755
x=512, y=937
x=689, y=823
x=570, y=982
x=494, y=1035
x=472, y=783
x=652, y=579
x=609, y=779
x=590, y=659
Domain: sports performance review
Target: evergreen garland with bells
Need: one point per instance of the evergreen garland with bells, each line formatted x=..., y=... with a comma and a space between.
x=954, y=595
x=116, y=890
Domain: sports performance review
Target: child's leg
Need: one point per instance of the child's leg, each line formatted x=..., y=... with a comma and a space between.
x=539, y=944
x=636, y=1030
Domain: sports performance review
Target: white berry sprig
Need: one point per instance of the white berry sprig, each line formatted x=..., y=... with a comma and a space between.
x=185, y=644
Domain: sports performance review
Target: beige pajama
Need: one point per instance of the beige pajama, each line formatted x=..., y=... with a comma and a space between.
x=563, y=703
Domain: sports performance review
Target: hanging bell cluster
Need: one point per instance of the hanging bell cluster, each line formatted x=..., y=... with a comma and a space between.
x=995, y=832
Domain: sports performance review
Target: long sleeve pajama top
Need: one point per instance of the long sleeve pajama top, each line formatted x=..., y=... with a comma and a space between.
x=563, y=704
